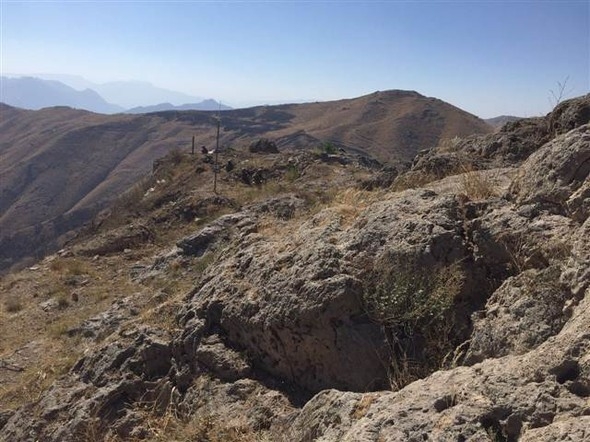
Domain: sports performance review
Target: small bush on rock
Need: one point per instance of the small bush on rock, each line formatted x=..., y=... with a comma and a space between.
x=414, y=305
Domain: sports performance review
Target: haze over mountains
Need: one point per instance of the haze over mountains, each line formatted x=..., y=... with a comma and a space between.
x=59, y=166
x=106, y=98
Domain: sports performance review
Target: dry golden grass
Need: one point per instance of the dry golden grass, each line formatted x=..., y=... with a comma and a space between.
x=39, y=342
x=412, y=180
x=351, y=202
x=204, y=428
x=448, y=144
x=361, y=408
x=36, y=378
x=478, y=185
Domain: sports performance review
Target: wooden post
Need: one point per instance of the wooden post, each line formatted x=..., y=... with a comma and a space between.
x=193, y=148
x=216, y=165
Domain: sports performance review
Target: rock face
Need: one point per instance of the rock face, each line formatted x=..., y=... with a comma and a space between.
x=263, y=145
x=510, y=146
x=557, y=175
x=279, y=330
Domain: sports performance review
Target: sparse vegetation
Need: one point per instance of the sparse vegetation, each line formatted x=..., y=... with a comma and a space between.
x=62, y=301
x=412, y=302
x=558, y=94
x=13, y=304
x=412, y=180
x=477, y=185
x=328, y=148
x=205, y=428
x=292, y=173
x=449, y=144
x=69, y=266
x=35, y=379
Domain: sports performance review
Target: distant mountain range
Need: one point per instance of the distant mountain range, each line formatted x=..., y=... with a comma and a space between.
x=34, y=93
x=107, y=98
x=204, y=105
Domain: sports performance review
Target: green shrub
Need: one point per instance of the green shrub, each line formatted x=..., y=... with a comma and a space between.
x=414, y=305
x=292, y=173
x=329, y=148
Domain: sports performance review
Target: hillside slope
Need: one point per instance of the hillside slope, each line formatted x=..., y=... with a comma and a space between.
x=60, y=166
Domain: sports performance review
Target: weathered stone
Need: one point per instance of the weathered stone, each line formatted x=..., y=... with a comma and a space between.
x=525, y=396
x=216, y=232
x=552, y=175
x=263, y=145
x=298, y=310
x=116, y=241
x=522, y=314
x=225, y=363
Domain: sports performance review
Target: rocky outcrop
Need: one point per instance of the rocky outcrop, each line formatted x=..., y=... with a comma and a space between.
x=118, y=240
x=295, y=302
x=510, y=146
x=556, y=176
x=529, y=375
x=528, y=397
x=263, y=145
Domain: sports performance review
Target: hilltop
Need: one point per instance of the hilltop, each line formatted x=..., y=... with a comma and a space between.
x=61, y=166
x=319, y=297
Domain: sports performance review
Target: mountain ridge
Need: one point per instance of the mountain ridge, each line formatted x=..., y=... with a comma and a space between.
x=107, y=98
x=61, y=162
x=205, y=105
x=34, y=93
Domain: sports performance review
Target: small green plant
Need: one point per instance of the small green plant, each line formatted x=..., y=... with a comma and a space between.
x=328, y=148
x=413, y=304
x=409, y=296
x=175, y=156
x=292, y=173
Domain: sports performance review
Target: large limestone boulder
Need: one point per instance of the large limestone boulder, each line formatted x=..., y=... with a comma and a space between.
x=557, y=175
x=292, y=296
x=537, y=396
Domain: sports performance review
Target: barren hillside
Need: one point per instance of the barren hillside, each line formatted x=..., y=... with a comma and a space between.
x=59, y=166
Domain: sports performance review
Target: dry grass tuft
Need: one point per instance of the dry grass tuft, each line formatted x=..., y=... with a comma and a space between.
x=203, y=427
x=361, y=408
x=478, y=185
x=38, y=377
x=13, y=304
x=69, y=266
x=412, y=180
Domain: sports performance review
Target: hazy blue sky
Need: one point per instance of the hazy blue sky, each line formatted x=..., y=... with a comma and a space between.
x=487, y=57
